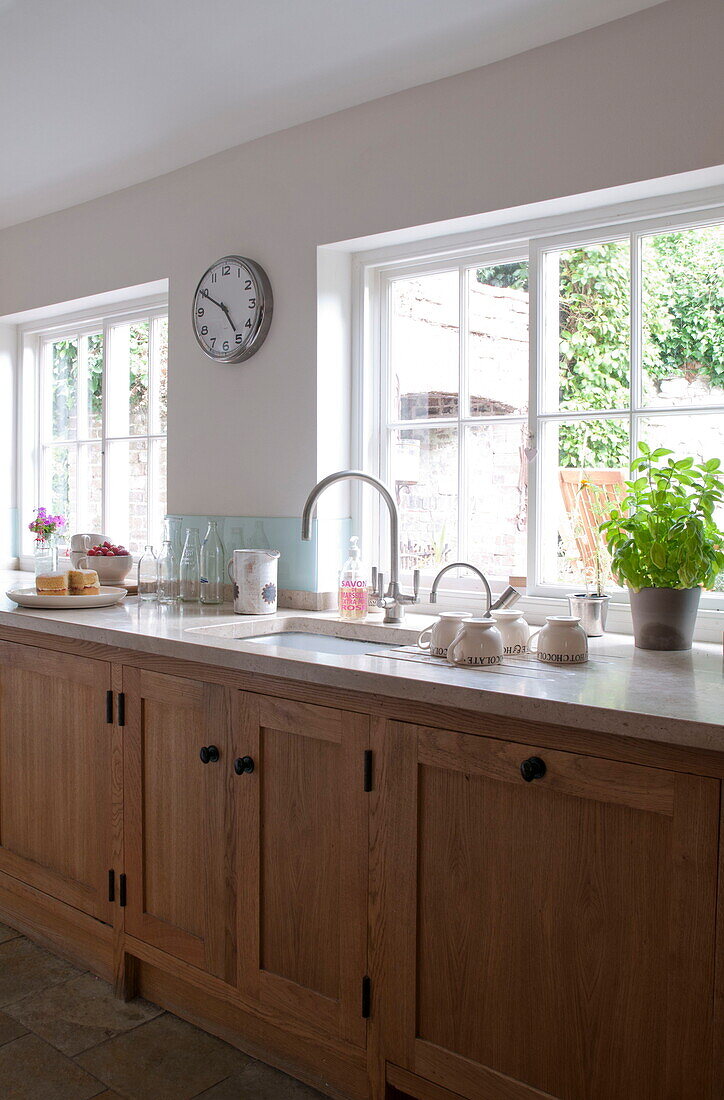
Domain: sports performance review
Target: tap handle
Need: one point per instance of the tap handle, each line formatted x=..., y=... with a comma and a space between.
x=416, y=583
x=380, y=584
x=373, y=579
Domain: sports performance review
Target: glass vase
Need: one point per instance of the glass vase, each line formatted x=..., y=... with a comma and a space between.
x=46, y=556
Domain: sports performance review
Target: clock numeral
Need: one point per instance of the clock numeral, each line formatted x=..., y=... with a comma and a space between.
x=252, y=303
x=248, y=323
x=213, y=341
x=204, y=330
x=226, y=345
x=213, y=276
x=247, y=284
x=200, y=311
x=226, y=269
x=239, y=337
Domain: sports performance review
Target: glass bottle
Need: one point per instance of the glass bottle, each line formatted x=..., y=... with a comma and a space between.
x=148, y=574
x=353, y=586
x=167, y=571
x=190, y=571
x=213, y=566
x=45, y=553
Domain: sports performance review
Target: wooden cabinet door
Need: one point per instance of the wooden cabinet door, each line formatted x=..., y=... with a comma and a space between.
x=56, y=766
x=177, y=833
x=552, y=938
x=303, y=856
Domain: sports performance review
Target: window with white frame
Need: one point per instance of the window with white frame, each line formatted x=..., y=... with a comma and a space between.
x=513, y=384
x=100, y=403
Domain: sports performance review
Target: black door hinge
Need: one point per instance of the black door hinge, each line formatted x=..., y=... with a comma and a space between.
x=366, y=997
x=121, y=708
x=109, y=707
x=368, y=770
x=111, y=885
x=122, y=891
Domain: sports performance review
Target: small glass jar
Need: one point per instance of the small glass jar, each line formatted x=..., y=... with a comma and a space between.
x=45, y=553
x=148, y=574
x=213, y=566
x=190, y=569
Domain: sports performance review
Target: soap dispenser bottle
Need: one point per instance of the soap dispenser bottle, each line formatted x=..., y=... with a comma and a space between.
x=353, y=586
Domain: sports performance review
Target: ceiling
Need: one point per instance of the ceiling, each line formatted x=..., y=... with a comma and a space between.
x=96, y=95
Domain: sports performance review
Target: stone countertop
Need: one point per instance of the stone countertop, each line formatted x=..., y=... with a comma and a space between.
x=670, y=698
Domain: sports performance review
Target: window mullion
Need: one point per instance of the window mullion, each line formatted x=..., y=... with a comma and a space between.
x=635, y=351
x=104, y=426
x=463, y=409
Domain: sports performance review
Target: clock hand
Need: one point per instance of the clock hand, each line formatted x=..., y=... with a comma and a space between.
x=205, y=294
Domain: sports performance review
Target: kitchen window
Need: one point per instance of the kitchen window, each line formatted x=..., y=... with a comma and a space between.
x=507, y=388
x=100, y=422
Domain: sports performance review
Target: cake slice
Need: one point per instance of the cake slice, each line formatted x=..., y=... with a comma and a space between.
x=84, y=582
x=52, y=584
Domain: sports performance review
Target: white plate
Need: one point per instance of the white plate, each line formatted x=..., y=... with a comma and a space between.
x=28, y=597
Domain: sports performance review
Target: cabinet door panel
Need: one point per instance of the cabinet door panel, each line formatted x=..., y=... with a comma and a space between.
x=177, y=829
x=56, y=764
x=303, y=861
x=563, y=932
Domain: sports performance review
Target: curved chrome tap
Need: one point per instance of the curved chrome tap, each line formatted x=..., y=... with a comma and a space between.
x=462, y=565
x=393, y=602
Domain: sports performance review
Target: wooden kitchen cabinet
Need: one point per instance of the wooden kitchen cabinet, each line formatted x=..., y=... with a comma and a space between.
x=552, y=938
x=178, y=827
x=302, y=861
x=56, y=775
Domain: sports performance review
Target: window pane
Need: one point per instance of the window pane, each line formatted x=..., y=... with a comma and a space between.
x=699, y=435
x=584, y=466
x=127, y=491
x=497, y=497
x=90, y=487
x=590, y=289
x=424, y=473
x=498, y=339
x=159, y=374
x=683, y=317
x=127, y=380
x=157, y=490
x=59, y=490
x=424, y=346
x=90, y=413
x=62, y=389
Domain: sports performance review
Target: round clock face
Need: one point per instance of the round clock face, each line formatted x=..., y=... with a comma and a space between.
x=232, y=309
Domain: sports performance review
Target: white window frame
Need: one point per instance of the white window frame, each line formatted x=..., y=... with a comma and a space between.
x=35, y=339
x=532, y=240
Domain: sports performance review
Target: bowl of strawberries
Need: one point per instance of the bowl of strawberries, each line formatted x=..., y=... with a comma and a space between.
x=112, y=563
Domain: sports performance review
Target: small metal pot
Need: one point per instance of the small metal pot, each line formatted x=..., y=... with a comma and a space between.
x=591, y=610
x=664, y=618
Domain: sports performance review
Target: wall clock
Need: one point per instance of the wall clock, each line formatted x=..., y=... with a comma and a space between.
x=232, y=309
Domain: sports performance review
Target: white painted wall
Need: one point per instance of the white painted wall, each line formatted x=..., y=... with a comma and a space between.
x=632, y=100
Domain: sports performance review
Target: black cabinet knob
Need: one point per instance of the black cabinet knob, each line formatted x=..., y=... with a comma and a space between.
x=209, y=754
x=243, y=764
x=533, y=768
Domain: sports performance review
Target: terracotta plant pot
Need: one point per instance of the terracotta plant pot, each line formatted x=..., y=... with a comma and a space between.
x=664, y=618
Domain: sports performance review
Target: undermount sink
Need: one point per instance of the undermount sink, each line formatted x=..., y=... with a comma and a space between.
x=311, y=635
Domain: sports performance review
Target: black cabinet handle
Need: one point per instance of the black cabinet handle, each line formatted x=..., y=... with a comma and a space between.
x=209, y=754
x=533, y=768
x=243, y=764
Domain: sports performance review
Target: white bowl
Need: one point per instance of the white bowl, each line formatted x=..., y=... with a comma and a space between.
x=110, y=570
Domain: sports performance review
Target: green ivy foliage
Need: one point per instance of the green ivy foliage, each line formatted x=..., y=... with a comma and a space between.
x=664, y=534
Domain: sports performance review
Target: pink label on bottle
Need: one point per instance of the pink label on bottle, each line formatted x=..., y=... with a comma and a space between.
x=353, y=596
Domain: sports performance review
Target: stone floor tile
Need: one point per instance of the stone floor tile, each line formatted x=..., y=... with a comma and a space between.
x=7, y=933
x=32, y=1070
x=10, y=1029
x=26, y=968
x=79, y=1014
x=260, y=1082
x=165, y=1059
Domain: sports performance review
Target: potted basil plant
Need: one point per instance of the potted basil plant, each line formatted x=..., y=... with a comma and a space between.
x=665, y=544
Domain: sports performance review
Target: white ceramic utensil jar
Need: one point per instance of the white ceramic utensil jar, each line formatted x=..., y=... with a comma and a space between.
x=514, y=629
x=435, y=639
x=562, y=641
x=253, y=574
x=478, y=642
